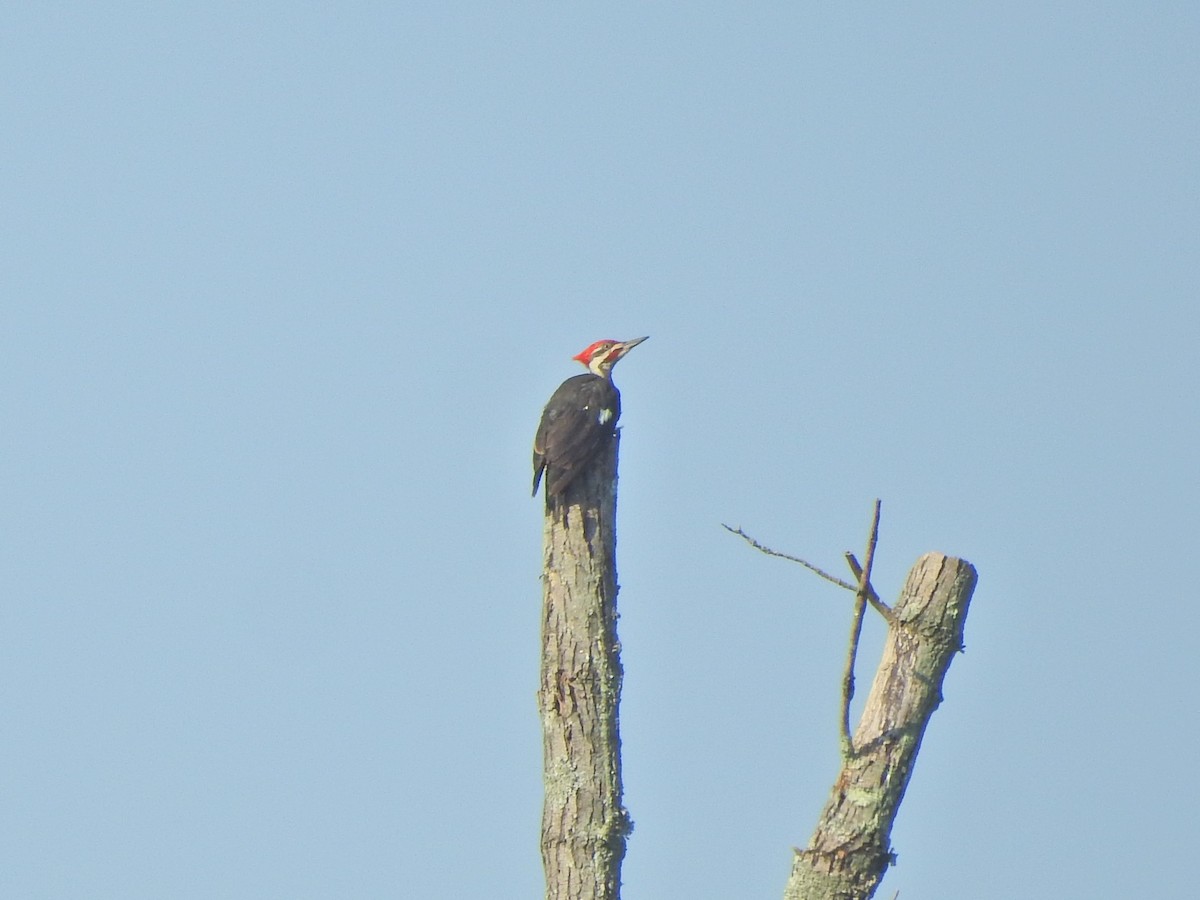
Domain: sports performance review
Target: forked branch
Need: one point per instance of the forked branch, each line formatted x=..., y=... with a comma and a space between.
x=860, y=606
x=850, y=849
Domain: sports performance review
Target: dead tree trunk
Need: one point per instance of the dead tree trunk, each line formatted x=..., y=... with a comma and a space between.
x=851, y=848
x=584, y=824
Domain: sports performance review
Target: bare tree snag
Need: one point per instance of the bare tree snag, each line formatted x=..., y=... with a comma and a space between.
x=584, y=825
x=851, y=848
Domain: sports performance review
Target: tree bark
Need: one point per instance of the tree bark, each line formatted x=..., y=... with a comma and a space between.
x=851, y=848
x=584, y=825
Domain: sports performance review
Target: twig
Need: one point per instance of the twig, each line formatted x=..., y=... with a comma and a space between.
x=860, y=606
x=873, y=598
x=767, y=550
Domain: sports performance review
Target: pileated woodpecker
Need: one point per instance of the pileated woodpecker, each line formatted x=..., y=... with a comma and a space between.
x=580, y=416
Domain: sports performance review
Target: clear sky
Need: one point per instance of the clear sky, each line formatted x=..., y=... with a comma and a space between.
x=285, y=287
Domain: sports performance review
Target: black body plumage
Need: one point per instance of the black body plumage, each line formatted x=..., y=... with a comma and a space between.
x=581, y=415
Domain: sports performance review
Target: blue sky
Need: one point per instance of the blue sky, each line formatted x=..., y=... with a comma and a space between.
x=286, y=285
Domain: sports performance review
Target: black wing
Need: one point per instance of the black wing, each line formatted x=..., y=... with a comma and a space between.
x=580, y=416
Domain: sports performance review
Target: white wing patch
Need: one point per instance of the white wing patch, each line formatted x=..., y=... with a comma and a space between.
x=605, y=416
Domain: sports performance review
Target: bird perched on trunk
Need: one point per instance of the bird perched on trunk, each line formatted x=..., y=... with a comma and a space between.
x=581, y=415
